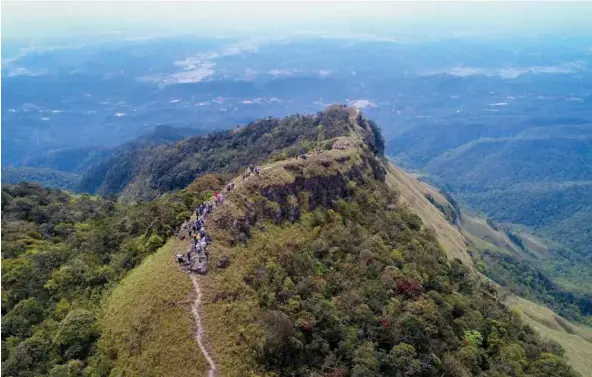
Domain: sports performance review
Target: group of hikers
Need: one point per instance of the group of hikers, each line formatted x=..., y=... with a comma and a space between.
x=252, y=169
x=196, y=231
x=196, y=256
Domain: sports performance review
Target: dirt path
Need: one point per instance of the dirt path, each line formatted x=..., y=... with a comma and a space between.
x=195, y=308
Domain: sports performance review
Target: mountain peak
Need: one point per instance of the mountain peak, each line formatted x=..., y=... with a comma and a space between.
x=147, y=172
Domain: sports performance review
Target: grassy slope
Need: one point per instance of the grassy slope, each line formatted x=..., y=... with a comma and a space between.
x=150, y=307
x=413, y=197
x=480, y=230
x=148, y=324
x=577, y=340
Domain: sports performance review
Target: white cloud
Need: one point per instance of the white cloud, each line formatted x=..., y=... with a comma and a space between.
x=22, y=71
x=198, y=71
x=509, y=72
x=283, y=72
x=361, y=103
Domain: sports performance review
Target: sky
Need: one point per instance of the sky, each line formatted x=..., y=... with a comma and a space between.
x=57, y=19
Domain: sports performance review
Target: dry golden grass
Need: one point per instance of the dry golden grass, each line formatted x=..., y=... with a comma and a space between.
x=536, y=246
x=412, y=195
x=148, y=324
x=575, y=339
x=481, y=230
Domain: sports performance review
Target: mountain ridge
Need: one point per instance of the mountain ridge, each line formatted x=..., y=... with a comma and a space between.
x=330, y=273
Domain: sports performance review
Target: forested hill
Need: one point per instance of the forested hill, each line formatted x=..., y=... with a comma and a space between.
x=327, y=273
x=145, y=173
x=528, y=174
x=63, y=168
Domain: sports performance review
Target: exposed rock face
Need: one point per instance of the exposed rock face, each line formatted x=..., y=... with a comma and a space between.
x=321, y=191
x=284, y=202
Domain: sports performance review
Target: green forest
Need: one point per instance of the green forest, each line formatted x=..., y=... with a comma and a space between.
x=46, y=176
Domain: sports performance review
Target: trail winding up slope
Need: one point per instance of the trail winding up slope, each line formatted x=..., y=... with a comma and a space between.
x=195, y=310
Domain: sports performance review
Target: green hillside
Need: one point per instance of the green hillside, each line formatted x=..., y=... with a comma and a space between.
x=495, y=250
x=531, y=178
x=45, y=176
x=332, y=268
x=352, y=286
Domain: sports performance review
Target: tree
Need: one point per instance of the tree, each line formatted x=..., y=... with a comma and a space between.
x=403, y=361
x=473, y=338
x=76, y=334
x=72, y=369
x=21, y=318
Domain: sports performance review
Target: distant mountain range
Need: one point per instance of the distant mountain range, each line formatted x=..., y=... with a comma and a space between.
x=103, y=94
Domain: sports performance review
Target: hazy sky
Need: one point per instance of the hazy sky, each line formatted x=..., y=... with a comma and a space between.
x=55, y=18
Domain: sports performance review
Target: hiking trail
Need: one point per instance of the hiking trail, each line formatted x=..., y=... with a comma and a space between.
x=195, y=309
x=196, y=305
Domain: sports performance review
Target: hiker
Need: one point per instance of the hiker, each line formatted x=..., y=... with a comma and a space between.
x=257, y=170
x=189, y=256
x=180, y=258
